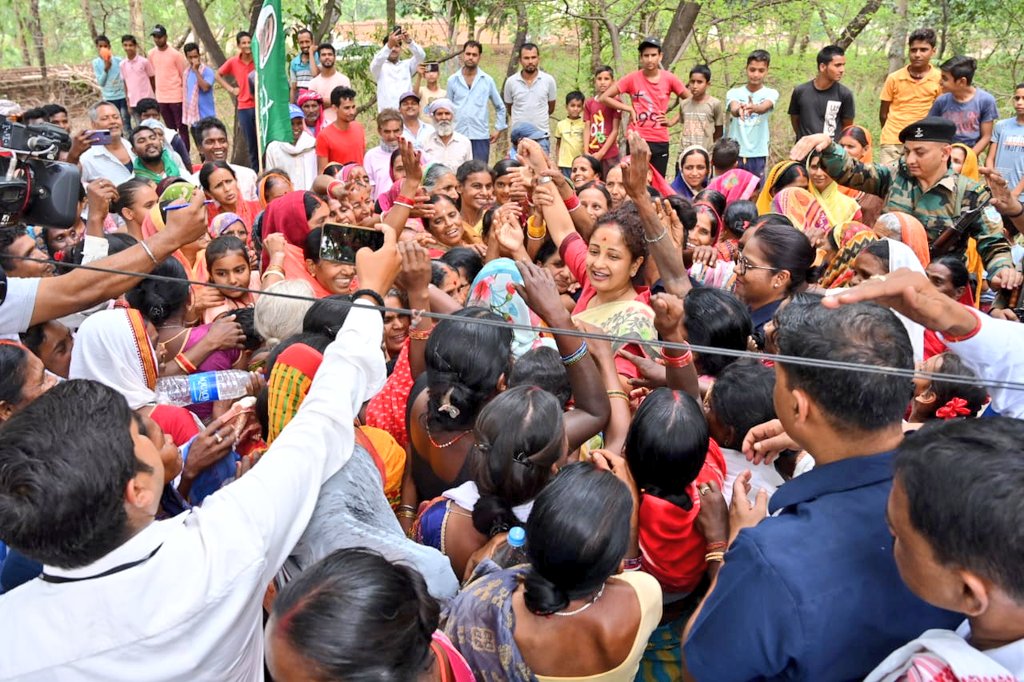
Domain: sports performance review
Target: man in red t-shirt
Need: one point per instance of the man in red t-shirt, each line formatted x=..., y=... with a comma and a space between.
x=344, y=140
x=650, y=91
x=239, y=67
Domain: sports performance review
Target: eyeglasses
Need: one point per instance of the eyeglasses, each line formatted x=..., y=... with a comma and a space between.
x=743, y=264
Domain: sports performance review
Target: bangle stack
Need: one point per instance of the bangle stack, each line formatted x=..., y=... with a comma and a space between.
x=402, y=200
x=717, y=546
x=714, y=556
x=677, y=361
x=632, y=564
x=420, y=334
x=618, y=394
x=406, y=511
x=572, y=203
x=334, y=183
x=576, y=355
x=273, y=270
x=535, y=231
x=185, y=364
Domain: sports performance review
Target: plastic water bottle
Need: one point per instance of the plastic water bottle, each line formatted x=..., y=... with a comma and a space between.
x=204, y=387
x=514, y=551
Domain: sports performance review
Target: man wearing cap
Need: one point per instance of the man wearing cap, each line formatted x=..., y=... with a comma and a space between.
x=394, y=76
x=413, y=129
x=470, y=90
x=521, y=131
x=169, y=67
x=924, y=185
x=297, y=158
x=650, y=91
x=530, y=94
x=445, y=146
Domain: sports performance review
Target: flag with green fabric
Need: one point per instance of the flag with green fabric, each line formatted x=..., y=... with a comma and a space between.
x=272, y=118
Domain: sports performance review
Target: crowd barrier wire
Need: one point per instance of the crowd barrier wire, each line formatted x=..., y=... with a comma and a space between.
x=1002, y=384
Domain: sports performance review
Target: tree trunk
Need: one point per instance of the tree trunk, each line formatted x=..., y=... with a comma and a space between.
x=138, y=25
x=824, y=24
x=202, y=30
x=37, y=38
x=791, y=46
x=90, y=20
x=899, y=37
x=614, y=37
x=683, y=21
x=331, y=14
x=522, y=28
x=23, y=31
x=391, y=12
x=858, y=23
x=595, y=45
x=944, y=28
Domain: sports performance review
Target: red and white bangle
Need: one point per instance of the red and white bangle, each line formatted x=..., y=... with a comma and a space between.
x=330, y=187
x=572, y=203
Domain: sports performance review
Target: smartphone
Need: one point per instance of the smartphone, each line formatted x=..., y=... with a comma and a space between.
x=433, y=67
x=99, y=137
x=339, y=243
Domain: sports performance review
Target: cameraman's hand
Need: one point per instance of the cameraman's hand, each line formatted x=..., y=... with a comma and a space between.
x=80, y=144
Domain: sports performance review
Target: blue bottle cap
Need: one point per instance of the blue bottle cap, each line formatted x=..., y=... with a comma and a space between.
x=517, y=536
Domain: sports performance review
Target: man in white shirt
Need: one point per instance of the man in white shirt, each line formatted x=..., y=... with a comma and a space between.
x=328, y=79
x=413, y=128
x=298, y=158
x=530, y=94
x=445, y=146
x=394, y=76
x=955, y=513
x=213, y=145
x=124, y=597
x=112, y=161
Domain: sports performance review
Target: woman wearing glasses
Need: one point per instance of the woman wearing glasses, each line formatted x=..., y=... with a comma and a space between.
x=775, y=261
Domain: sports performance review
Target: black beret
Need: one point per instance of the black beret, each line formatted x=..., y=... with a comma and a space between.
x=930, y=129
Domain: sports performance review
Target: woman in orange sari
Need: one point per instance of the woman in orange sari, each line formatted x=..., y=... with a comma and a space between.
x=220, y=184
x=293, y=216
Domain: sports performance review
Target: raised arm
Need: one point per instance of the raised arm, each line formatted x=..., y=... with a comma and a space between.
x=662, y=248
x=592, y=408
x=81, y=288
x=872, y=178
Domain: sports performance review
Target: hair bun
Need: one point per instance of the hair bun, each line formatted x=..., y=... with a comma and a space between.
x=542, y=596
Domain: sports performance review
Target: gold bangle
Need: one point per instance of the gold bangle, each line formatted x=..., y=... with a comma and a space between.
x=714, y=556
x=420, y=334
x=403, y=514
x=618, y=394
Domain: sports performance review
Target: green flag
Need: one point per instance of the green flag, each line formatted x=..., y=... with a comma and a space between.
x=272, y=120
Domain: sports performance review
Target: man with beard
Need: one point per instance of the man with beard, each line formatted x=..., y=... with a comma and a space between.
x=328, y=79
x=471, y=90
x=152, y=161
x=446, y=146
x=212, y=136
x=377, y=161
x=530, y=94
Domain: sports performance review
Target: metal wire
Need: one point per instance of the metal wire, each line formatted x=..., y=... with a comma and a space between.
x=706, y=350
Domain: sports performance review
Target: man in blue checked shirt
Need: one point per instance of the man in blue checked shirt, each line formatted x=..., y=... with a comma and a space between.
x=470, y=89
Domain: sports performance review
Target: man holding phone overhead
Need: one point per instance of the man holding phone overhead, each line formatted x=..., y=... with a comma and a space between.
x=394, y=76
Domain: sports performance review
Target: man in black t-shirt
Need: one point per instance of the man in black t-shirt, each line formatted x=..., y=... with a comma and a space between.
x=823, y=105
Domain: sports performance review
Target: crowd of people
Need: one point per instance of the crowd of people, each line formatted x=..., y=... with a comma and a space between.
x=575, y=415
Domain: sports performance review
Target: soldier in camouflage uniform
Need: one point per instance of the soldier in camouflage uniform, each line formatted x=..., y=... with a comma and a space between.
x=924, y=186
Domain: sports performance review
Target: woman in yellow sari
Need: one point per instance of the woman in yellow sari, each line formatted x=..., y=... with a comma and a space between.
x=965, y=162
x=839, y=208
x=783, y=175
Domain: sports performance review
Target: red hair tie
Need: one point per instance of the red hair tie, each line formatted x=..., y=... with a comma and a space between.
x=956, y=407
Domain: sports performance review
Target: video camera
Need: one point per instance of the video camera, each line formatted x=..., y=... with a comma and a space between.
x=34, y=186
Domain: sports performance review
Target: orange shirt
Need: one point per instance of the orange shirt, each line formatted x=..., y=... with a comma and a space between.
x=342, y=146
x=909, y=101
x=168, y=66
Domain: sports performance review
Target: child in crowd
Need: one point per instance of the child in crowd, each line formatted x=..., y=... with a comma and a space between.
x=430, y=91
x=734, y=183
x=702, y=115
x=569, y=133
x=750, y=108
x=972, y=109
x=227, y=261
x=601, y=122
x=1006, y=154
